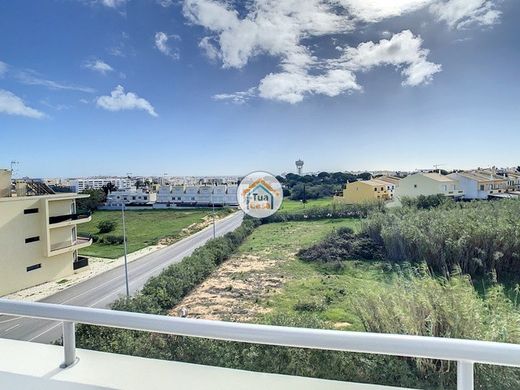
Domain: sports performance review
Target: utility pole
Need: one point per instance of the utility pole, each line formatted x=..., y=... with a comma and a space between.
x=213, y=206
x=124, y=244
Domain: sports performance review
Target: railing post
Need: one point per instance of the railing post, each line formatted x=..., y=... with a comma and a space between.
x=465, y=380
x=69, y=343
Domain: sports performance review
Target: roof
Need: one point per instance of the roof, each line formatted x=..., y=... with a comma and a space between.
x=481, y=176
x=389, y=179
x=372, y=182
x=437, y=177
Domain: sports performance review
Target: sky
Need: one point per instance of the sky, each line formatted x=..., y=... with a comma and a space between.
x=226, y=87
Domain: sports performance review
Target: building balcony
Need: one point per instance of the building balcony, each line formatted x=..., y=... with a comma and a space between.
x=26, y=365
x=69, y=219
x=68, y=246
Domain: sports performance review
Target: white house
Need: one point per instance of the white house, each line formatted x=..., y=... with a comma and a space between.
x=480, y=184
x=428, y=184
x=131, y=197
x=196, y=195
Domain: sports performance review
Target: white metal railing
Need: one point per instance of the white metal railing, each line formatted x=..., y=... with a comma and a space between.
x=465, y=352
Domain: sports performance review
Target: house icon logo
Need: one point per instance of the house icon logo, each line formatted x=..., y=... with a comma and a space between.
x=260, y=194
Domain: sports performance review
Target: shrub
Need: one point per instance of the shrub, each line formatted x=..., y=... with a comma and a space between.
x=418, y=304
x=478, y=237
x=113, y=240
x=106, y=226
x=343, y=244
x=309, y=306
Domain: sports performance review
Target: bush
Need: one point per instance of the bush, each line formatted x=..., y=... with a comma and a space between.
x=427, y=201
x=343, y=244
x=335, y=210
x=113, y=240
x=418, y=304
x=478, y=238
x=106, y=226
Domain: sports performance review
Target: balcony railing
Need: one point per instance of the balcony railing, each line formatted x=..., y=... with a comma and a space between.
x=68, y=217
x=465, y=352
x=80, y=263
x=69, y=244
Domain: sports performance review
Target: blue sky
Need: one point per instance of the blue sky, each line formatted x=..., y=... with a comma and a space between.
x=207, y=87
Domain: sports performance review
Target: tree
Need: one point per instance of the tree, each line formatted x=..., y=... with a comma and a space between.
x=106, y=226
x=96, y=198
x=109, y=187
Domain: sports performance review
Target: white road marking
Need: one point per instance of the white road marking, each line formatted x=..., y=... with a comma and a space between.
x=12, y=327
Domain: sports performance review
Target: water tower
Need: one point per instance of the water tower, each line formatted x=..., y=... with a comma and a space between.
x=299, y=166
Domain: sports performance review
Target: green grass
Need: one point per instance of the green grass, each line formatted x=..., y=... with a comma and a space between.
x=289, y=205
x=143, y=228
x=308, y=282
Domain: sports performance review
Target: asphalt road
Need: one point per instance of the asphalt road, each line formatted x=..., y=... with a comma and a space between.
x=105, y=288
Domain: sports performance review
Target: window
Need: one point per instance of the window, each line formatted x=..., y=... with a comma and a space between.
x=32, y=239
x=415, y=186
x=33, y=267
x=30, y=211
x=375, y=189
x=482, y=187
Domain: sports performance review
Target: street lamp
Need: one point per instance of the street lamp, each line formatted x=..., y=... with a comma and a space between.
x=213, y=206
x=124, y=244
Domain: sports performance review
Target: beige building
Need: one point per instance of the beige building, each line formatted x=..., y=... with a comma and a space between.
x=38, y=237
x=366, y=191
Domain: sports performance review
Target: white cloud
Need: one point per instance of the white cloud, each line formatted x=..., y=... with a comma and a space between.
x=32, y=78
x=165, y=3
x=283, y=29
x=113, y=3
x=3, y=68
x=13, y=105
x=119, y=100
x=463, y=13
x=161, y=43
x=377, y=10
x=98, y=66
x=209, y=48
x=293, y=87
x=271, y=27
x=403, y=50
x=237, y=97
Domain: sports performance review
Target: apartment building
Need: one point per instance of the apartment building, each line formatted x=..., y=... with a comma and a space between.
x=97, y=183
x=480, y=184
x=129, y=197
x=196, y=196
x=38, y=237
x=365, y=191
x=422, y=183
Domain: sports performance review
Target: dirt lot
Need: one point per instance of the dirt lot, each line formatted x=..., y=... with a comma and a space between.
x=233, y=291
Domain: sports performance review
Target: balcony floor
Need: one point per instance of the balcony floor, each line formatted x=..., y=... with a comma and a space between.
x=25, y=365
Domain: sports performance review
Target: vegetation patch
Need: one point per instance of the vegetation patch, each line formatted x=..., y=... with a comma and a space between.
x=143, y=228
x=343, y=244
x=478, y=238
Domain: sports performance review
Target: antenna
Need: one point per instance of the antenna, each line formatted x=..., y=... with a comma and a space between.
x=13, y=163
x=436, y=166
